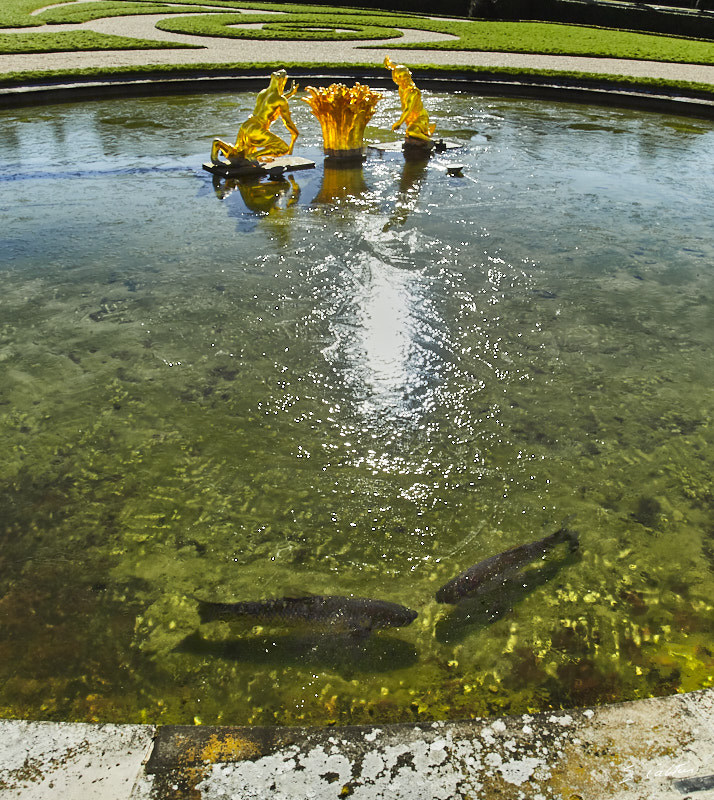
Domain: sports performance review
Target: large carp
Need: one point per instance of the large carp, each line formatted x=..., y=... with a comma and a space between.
x=488, y=574
x=336, y=613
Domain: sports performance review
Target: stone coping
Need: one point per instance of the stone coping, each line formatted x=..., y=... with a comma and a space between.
x=654, y=749
x=587, y=91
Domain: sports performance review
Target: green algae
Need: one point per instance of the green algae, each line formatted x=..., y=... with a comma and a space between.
x=362, y=396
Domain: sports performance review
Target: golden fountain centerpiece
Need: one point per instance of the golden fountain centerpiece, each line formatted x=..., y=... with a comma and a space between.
x=343, y=114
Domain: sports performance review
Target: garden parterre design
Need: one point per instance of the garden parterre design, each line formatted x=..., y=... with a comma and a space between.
x=117, y=35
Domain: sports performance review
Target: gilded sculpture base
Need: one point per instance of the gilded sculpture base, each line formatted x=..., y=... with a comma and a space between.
x=417, y=147
x=413, y=143
x=244, y=167
x=346, y=156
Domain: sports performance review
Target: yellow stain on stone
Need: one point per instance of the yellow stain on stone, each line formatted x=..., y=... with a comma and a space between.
x=195, y=760
x=231, y=747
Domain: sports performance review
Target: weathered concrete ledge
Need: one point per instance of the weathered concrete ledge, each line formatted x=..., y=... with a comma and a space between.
x=657, y=749
x=587, y=91
x=72, y=761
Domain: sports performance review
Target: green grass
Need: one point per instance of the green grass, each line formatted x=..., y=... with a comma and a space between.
x=18, y=13
x=560, y=39
x=510, y=37
x=291, y=27
x=319, y=22
x=61, y=42
x=88, y=11
x=263, y=68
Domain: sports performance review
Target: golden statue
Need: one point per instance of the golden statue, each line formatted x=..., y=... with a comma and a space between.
x=343, y=114
x=413, y=112
x=254, y=140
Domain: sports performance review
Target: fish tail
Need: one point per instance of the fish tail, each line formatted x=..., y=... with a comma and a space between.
x=566, y=534
x=208, y=612
x=562, y=535
x=574, y=539
x=570, y=536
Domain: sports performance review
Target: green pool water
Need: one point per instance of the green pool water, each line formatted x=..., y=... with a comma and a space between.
x=353, y=383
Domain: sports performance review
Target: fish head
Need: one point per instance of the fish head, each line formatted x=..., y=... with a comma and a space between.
x=446, y=595
x=461, y=586
x=392, y=615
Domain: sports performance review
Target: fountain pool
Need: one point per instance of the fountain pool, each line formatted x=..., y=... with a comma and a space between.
x=353, y=382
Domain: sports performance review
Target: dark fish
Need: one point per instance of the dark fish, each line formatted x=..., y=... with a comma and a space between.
x=489, y=573
x=337, y=613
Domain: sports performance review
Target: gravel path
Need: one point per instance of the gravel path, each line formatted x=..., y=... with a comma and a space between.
x=215, y=51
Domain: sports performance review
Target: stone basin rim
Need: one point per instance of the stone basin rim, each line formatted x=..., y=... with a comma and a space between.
x=601, y=753
x=595, y=90
x=276, y=735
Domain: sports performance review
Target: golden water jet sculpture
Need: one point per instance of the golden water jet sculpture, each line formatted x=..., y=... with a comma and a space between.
x=343, y=114
x=418, y=128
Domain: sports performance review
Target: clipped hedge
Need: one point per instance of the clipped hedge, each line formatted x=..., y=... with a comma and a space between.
x=293, y=26
x=445, y=8
x=633, y=16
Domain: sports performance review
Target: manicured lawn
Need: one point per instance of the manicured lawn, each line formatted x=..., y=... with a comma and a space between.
x=18, y=13
x=322, y=22
x=554, y=39
x=14, y=13
x=82, y=12
x=510, y=37
x=63, y=42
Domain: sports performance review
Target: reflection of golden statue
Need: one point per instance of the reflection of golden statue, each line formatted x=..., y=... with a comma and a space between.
x=261, y=197
x=413, y=174
x=341, y=183
x=343, y=114
x=413, y=112
x=255, y=141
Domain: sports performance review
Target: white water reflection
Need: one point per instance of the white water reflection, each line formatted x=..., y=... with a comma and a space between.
x=386, y=343
x=387, y=333
x=388, y=340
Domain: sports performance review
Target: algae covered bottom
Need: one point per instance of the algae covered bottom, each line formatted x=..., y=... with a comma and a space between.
x=353, y=382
